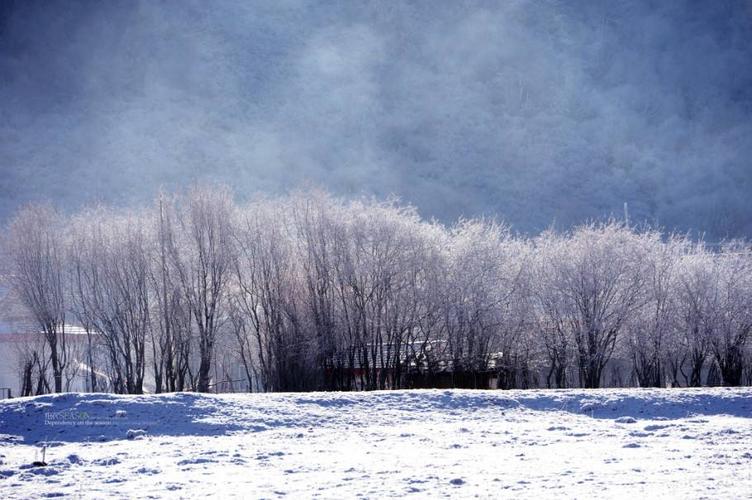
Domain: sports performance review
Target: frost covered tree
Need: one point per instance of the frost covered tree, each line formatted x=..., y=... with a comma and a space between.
x=552, y=310
x=112, y=292
x=475, y=298
x=202, y=256
x=649, y=328
x=310, y=292
x=728, y=311
x=315, y=230
x=170, y=339
x=374, y=263
x=36, y=254
x=265, y=301
x=79, y=252
x=599, y=280
x=694, y=319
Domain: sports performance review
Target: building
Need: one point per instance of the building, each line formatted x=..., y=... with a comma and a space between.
x=24, y=348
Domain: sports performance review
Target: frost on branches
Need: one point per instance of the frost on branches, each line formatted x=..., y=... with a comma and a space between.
x=309, y=292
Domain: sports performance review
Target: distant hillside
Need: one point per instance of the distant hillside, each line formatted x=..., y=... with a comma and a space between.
x=540, y=112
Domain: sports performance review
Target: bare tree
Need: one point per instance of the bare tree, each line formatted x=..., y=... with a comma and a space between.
x=36, y=253
x=33, y=366
x=202, y=255
x=170, y=336
x=309, y=292
x=80, y=305
x=649, y=328
x=601, y=280
x=695, y=285
x=552, y=317
x=477, y=292
x=265, y=314
x=729, y=306
x=315, y=232
x=112, y=291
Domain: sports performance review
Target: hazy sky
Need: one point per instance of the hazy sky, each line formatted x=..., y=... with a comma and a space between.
x=538, y=112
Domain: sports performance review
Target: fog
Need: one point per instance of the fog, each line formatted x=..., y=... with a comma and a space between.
x=539, y=113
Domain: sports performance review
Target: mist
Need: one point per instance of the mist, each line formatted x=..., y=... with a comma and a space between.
x=537, y=113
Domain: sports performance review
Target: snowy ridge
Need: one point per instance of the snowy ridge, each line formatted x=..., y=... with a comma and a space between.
x=680, y=442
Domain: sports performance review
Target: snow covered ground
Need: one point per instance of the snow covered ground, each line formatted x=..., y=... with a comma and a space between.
x=679, y=443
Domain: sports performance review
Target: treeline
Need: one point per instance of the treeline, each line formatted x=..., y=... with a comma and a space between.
x=309, y=292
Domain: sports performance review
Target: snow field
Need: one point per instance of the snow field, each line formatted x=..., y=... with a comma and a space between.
x=679, y=443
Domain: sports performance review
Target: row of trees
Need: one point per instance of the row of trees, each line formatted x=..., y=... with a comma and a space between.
x=309, y=292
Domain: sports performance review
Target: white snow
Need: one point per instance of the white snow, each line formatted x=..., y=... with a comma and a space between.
x=685, y=443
